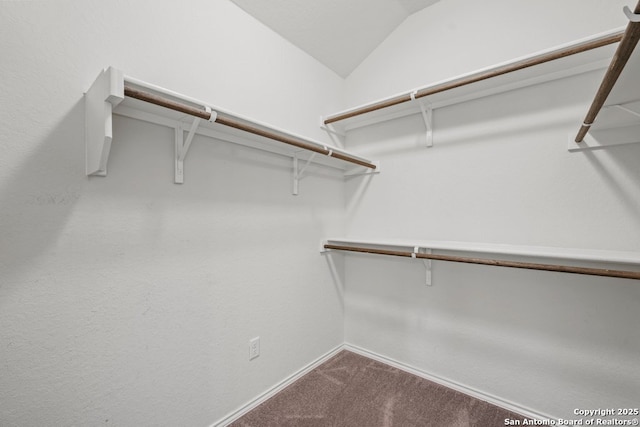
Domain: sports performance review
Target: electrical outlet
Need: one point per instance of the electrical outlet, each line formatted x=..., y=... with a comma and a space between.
x=254, y=348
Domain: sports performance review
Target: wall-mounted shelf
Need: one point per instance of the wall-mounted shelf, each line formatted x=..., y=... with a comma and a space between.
x=114, y=93
x=592, y=53
x=614, y=115
x=441, y=251
x=618, y=123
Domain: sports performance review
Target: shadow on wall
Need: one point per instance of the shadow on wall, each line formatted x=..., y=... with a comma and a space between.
x=41, y=195
x=38, y=198
x=562, y=327
x=625, y=160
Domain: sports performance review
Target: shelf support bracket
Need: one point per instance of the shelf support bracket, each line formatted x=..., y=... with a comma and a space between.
x=426, y=262
x=336, y=136
x=298, y=173
x=427, y=116
x=182, y=145
x=627, y=110
x=362, y=170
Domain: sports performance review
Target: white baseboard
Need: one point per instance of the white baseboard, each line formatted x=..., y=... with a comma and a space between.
x=469, y=391
x=228, y=419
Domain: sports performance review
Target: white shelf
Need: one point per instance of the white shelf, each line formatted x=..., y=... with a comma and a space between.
x=590, y=255
x=106, y=97
x=573, y=64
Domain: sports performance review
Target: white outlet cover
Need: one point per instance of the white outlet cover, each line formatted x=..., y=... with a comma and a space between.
x=254, y=348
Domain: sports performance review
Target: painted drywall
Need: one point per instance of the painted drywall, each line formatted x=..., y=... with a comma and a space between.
x=499, y=172
x=129, y=300
x=338, y=33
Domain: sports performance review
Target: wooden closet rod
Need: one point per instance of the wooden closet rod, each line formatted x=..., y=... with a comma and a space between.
x=515, y=66
x=230, y=122
x=494, y=262
x=620, y=58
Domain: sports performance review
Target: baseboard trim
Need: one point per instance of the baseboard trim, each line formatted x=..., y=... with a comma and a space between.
x=469, y=391
x=235, y=415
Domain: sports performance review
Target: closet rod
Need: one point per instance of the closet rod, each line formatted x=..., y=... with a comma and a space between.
x=620, y=58
x=230, y=122
x=515, y=66
x=494, y=262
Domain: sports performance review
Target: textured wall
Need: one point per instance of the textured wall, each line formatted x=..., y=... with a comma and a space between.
x=499, y=172
x=455, y=37
x=129, y=300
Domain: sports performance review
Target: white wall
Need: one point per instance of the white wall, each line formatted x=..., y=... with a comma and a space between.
x=129, y=300
x=499, y=173
x=455, y=37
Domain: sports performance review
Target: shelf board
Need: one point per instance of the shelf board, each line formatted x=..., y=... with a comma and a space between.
x=114, y=93
x=140, y=110
x=590, y=255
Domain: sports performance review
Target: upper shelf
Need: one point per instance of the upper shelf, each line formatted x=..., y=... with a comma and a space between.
x=573, y=58
x=114, y=93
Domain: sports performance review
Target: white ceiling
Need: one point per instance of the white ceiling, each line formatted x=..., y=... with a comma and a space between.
x=338, y=33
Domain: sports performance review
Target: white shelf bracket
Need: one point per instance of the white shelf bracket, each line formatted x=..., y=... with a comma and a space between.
x=298, y=173
x=182, y=146
x=426, y=262
x=106, y=92
x=336, y=137
x=627, y=110
x=633, y=17
x=363, y=170
x=427, y=116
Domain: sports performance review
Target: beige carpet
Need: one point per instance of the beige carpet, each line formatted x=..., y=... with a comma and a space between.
x=350, y=390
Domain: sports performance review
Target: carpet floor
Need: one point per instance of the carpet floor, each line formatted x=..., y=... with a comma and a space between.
x=350, y=390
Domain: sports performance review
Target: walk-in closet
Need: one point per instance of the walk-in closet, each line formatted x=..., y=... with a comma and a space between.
x=360, y=213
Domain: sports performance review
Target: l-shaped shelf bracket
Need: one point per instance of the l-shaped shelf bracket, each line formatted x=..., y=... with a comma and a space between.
x=182, y=145
x=427, y=116
x=336, y=136
x=298, y=173
x=426, y=262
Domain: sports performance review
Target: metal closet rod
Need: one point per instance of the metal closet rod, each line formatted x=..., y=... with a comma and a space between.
x=515, y=66
x=620, y=58
x=493, y=262
x=230, y=122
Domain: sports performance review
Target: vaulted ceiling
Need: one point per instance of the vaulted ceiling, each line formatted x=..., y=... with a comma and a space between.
x=338, y=33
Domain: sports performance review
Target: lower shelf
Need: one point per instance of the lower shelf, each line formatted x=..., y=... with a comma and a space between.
x=425, y=252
